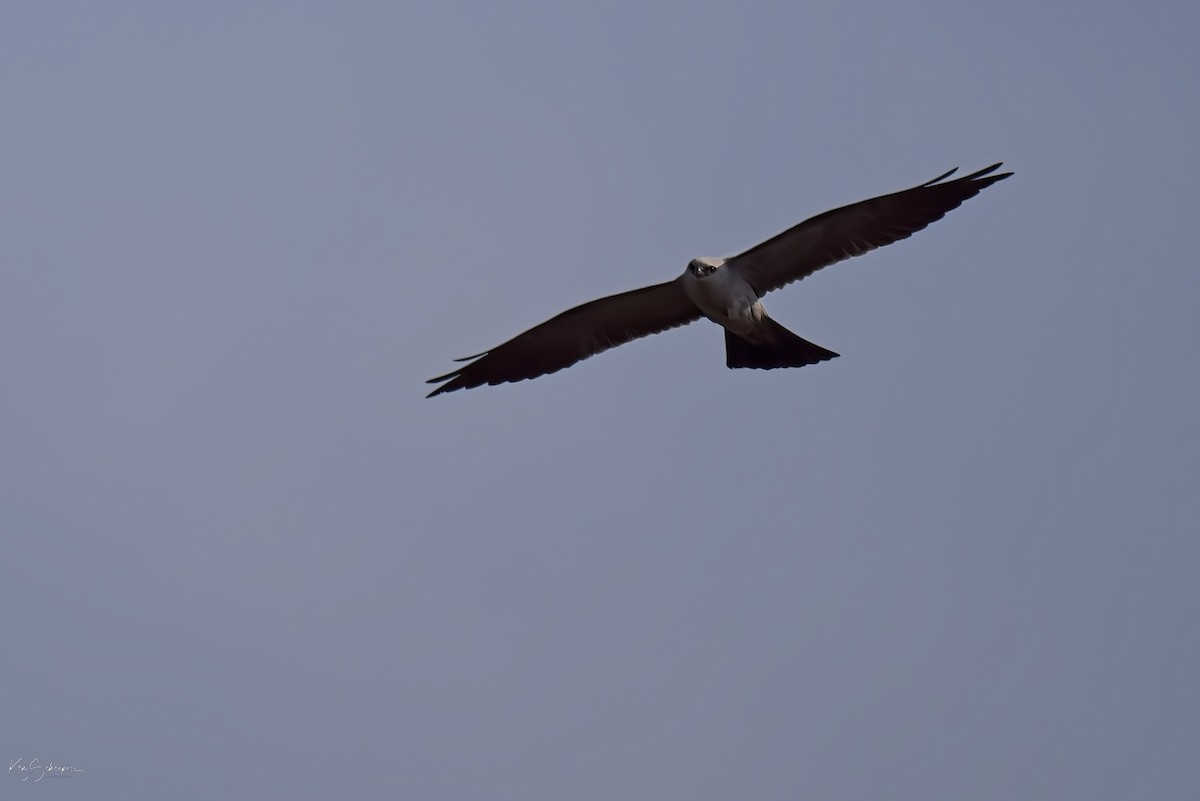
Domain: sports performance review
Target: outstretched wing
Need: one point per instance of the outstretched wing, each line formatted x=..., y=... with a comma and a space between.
x=575, y=335
x=855, y=229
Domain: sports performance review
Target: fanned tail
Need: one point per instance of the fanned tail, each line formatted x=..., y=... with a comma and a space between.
x=779, y=348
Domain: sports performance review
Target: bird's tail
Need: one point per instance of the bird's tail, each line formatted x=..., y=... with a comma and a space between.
x=778, y=347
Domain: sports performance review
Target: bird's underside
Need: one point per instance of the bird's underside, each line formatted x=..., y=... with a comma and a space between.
x=726, y=291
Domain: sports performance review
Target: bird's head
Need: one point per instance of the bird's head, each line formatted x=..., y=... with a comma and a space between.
x=702, y=268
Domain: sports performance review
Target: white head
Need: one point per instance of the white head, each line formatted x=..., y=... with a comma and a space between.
x=702, y=268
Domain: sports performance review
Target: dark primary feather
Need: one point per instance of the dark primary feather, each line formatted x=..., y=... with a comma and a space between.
x=574, y=335
x=855, y=229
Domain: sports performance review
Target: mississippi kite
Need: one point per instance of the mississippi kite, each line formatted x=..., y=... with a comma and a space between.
x=726, y=291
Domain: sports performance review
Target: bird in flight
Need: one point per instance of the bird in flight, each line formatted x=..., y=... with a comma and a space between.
x=726, y=291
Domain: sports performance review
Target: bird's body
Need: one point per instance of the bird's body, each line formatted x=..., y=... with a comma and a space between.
x=726, y=291
x=722, y=296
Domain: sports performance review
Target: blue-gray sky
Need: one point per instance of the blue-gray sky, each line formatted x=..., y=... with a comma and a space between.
x=244, y=557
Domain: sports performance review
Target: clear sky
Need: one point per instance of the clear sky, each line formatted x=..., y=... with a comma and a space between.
x=245, y=558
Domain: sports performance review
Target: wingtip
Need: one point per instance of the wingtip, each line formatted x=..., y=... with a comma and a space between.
x=453, y=379
x=989, y=171
x=941, y=177
x=986, y=171
x=449, y=386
